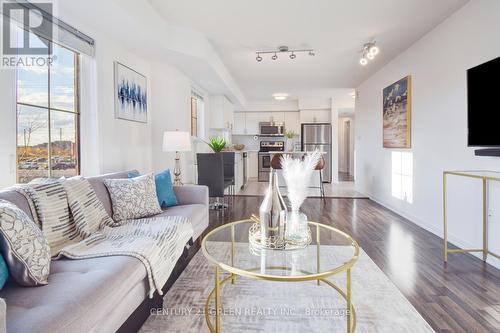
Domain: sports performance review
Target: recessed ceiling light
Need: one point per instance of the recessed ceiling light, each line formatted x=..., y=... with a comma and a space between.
x=280, y=96
x=363, y=61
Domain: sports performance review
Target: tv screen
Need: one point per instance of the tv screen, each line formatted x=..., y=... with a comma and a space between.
x=483, y=114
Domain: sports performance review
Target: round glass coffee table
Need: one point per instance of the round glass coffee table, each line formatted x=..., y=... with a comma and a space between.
x=330, y=252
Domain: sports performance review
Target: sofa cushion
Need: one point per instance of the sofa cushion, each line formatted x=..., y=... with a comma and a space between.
x=51, y=204
x=164, y=188
x=23, y=246
x=133, y=198
x=100, y=189
x=4, y=272
x=88, y=211
x=81, y=294
x=196, y=213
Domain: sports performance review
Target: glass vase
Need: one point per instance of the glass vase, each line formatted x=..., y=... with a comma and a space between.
x=296, y=227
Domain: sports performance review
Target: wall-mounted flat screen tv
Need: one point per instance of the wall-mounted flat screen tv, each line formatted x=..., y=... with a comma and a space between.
x=483, y=101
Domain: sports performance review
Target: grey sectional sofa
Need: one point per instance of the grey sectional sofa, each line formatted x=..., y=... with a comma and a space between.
x=97, y=295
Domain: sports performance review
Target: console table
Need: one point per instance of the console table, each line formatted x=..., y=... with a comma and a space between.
x=485, y=177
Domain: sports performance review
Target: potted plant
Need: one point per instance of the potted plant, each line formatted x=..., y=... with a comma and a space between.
x=290, y=135
x=217, y=144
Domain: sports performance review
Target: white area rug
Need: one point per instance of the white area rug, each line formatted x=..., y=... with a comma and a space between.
x=261, y=306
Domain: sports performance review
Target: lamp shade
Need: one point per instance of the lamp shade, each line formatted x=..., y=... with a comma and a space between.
x=176, y=141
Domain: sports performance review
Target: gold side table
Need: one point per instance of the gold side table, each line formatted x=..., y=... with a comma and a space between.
x=313, y=263
x=485, y=177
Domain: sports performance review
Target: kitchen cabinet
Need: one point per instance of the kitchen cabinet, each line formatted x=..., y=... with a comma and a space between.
x=239, y=127
x=252, y=120
x=253, y=164
x=292, y=122
x=247, y=123
x=315, y=116
x=221, y=112
x=238, y=172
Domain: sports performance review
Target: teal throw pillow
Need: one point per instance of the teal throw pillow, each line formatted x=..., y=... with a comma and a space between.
x=4, y=272
x=164, y=188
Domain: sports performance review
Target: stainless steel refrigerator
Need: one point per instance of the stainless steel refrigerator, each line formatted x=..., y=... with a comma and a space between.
x=319, y=136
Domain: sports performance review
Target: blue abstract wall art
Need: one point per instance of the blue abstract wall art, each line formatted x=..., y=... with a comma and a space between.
x=131, y=94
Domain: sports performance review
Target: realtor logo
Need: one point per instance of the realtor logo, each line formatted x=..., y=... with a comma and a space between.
x=33, y=19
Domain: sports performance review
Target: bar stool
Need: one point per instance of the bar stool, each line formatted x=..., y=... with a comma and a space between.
x=320, y=166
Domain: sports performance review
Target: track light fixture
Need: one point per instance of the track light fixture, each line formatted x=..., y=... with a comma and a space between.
x=368, y=52
x=283, y=49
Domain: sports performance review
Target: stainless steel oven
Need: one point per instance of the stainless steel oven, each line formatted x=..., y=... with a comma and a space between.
x=266, y=147
x=271, y=129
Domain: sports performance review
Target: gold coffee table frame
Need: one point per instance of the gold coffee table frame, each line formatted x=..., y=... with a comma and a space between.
x=254, y=273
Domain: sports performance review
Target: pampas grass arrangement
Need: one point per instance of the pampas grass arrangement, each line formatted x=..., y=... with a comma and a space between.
x=297, y=173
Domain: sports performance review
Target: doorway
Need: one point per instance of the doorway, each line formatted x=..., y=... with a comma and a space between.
x=346, y=150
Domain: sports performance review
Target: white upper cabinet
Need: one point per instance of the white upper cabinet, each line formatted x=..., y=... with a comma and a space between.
x=221, y=112
x=277, y=117
x=247, y=123
x=239, y=123
x=315, y=116
x=252, y=120
x=292, y=122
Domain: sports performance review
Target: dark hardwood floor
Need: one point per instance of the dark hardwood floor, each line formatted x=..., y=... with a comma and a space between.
x=460, y=296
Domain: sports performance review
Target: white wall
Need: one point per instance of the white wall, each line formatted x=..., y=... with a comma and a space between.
x=109, y=144
x=171, y=99
x=438, y=64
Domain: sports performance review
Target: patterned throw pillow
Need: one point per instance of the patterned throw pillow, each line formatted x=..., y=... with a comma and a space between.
x=51, y=205
x=164, y=188
x=87, y=210
x=23, y=246
x=133, y=198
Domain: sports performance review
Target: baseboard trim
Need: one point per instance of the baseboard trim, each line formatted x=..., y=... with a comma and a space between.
x=453, y=240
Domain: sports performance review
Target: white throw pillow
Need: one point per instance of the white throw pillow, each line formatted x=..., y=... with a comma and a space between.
x=51, y=205
x=133, y=198
x=24, y=248
x=88, y=211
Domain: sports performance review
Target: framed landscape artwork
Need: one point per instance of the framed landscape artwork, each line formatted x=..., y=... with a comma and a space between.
x=131, y=94
x=397, y=114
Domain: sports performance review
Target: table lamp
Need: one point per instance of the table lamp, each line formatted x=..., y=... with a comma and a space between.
x=176, y=141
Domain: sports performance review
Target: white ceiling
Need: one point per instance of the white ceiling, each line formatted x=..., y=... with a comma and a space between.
x=335, y=29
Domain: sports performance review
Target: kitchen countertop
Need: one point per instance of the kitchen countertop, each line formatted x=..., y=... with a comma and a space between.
x=294, y=152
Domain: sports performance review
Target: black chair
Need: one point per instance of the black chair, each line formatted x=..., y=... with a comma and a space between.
x=229, y=178
x=211, y=174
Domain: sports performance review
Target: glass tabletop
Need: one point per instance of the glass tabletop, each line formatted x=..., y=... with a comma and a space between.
x=331, y=251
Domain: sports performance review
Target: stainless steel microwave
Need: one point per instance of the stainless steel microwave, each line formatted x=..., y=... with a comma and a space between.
x=271, y=129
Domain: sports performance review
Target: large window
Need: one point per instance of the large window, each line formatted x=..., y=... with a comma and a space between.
x=48, y=117
x=402, y=176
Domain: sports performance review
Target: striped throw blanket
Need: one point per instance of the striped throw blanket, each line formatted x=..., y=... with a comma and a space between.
x=157, y=241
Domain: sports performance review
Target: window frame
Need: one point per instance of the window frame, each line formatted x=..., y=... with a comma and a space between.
x=196, y=99
x=402, y=174
x=194, y=115
x=48, y=109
